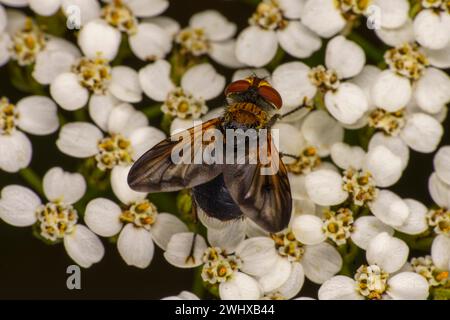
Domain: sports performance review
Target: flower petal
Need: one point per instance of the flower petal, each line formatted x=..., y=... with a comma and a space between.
x=166, y=225
x=408, y=286
x=395, y=144
x=155, y=80
x=422, y=133
x=100, y=107
x=321, y=262
x=151, y=42
x=324, y=187
x=64, y=186
x=387, y=252
x=44, y=8
x=432, y=30
x=367, y=227
x=298, y=40
x=308, y=229
x=18, y=206
x=389, y=208
x=98, y=37
x=125, y=84
x=258, y=255
x=384, y=165
x=51, y=63
x=136, y=246
x=397, y=36
x=83, y=246
x=119, y=185
x=224, y=53
x=15, y=151
x=66, y=90
x=315, y=12
x=345, y=156
x=439, y=58
x=432, y=91
x=394, y=13
x=215, y=25
x=345, y=57
x=79, y=139
x=88, y=9
x=440, y=252
x=347, y=104
x=229, y=237
x=185, y=250
x=147, y=8
x=124, y=119
x=339, y=288
x=439, y=191
x=294, y=283
x=416, y=222
x=240, y=287
x=38, y=115
x=277, y=276
x=103, y=217
x=203, y=81
x=391, y=92
x=442, y=164
x=143, y=139
x=256, y=47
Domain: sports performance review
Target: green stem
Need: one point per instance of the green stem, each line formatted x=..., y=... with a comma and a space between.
x=153, y=111
x=440, y=294
x=33, y=179
x=197, y=286
x=80, y=115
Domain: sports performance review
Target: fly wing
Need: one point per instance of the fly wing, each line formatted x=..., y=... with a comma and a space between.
x=156, y=170
x=261, y=190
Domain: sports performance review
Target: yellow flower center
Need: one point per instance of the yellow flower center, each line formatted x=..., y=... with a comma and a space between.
x=112, y=151
x=390, y=123
x=338, y=225
x=306, y=162
x=193, y=41
x=371, y=282
x=426, y=268
x=287, y=246
x=407, y=60
x=120, y=16
x=440, y=220
x=8, y=117
x=26, y=43
x=269, y=16
x=324, y=79
x=218, y=265
x=56, y=219
x=360, y=185
x=93, y=74
x=142, y=214
x=184, y=105
x=351, y=9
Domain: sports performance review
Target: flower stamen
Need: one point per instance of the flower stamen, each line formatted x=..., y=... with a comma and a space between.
x=184, y=105
x=8, y=117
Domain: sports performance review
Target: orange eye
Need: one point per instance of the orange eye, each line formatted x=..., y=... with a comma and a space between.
x=271, y=95
x=238, y=86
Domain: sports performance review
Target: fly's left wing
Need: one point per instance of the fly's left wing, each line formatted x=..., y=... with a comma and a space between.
x=262, y=191
x=156, y=171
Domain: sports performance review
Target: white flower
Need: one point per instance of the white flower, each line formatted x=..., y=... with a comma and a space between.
x=128, y=137
x=36, y=115
x=209, y=32
x=186, y=101
x=410, y=76
x=56, y=220
x=221, y=267
x=5, y=38
x=426, y=267
x=138, y=226
x=281, y=262
x=273, y=23
x=73, y=81
x=298, y=84
x=432, y=24
x=328, y=17
x=378, y=280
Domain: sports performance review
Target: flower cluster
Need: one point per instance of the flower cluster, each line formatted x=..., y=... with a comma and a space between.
x=360, y=100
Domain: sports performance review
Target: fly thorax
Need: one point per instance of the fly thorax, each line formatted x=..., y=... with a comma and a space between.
x=407, y=60
x=324, y=79
x=218, y=266
x=426, y=268
x=9, y=116
x=338, y=225
x=193, y=41
x=246, y=114
x=56, y=219
x=391, y=123
x=142, y=214
x=182, y=104
x=93, y=74
x=120, y=16
x=268, y=16
x=113, y=151
x=439, y=219
x=26, y=43
x=287, y=246
x=360, y=185
x=371, y=282
x=306, y=162
x=351, y=9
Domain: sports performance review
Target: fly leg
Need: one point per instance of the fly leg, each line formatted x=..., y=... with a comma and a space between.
x=277, y=117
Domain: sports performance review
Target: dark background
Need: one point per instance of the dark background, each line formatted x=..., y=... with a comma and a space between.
x=33, y=270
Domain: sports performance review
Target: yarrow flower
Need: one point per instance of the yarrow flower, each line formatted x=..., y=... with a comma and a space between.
x=57, y=219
